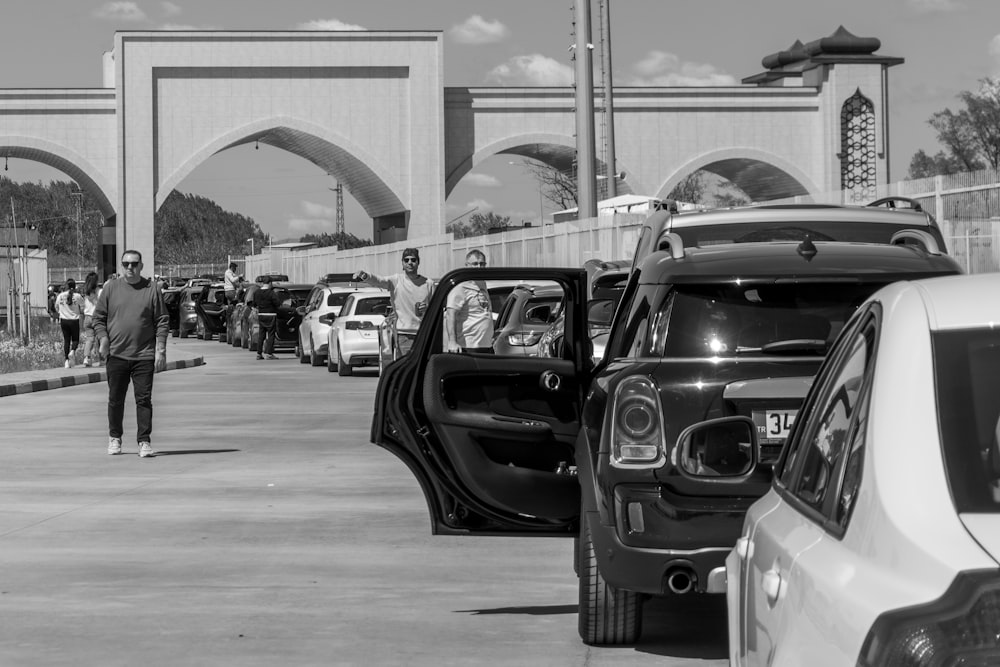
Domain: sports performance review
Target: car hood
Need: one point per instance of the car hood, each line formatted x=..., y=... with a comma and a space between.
x=985, y=529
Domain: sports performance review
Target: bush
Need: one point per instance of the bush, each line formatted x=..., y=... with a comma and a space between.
x=45, y=350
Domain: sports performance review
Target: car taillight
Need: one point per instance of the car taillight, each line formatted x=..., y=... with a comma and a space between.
x=636, y=425
x=962, y=627
x=524, y=338
x=354, y=325
x=327, y=319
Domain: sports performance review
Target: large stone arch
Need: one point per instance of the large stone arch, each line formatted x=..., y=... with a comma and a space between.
x=71, y=163
x=762, y=175
x=556, y=150
x=361, y=174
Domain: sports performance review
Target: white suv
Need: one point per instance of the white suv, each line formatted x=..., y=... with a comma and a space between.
x=321, y=308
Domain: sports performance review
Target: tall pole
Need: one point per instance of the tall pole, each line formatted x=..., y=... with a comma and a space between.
x=609, y=106
x=586, y=181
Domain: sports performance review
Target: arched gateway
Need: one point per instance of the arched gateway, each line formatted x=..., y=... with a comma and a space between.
x=371, y=109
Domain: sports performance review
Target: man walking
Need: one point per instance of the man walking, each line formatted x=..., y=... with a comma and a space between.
x=266, y=301
x=468, y=317
x=131, y=322
x=409, y=293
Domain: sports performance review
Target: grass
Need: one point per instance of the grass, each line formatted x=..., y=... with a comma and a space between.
x=45, y=350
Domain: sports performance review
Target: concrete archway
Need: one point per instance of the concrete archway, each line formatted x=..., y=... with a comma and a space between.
x=761, y=175
x=361, y=174
x=74, y=165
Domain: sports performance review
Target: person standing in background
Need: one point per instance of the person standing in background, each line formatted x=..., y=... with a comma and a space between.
x=266, y=301
x=91, y=291
x=69, y=308
x=233, y=281
x=409, y=293
x=468, y=315
x=132, y=323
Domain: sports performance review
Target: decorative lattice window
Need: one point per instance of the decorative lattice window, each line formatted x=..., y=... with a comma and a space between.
x=857, y=157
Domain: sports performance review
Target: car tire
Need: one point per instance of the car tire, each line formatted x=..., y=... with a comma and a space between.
x=222, y=338
x=182, y=332
x=314, y=359
x=343, y=370
x=175, y=333
x=607, y=616
x=301, y=354
x=331, y=365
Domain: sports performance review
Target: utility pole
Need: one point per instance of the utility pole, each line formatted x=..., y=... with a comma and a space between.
x=586, y=182
x=78, y=196
x=609, y=106
x=340, y=211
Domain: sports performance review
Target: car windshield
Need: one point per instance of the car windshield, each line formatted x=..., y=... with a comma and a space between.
x=540, y=310
x=729, y=320
x=817, y=230
x=967, y=378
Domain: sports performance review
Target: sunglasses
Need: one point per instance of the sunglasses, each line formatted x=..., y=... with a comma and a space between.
x=130, y=265
x=476, y=263
x=410, y=260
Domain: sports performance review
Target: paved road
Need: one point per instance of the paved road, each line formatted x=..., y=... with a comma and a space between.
x=268, y=531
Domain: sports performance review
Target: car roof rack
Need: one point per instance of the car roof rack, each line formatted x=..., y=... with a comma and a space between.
x=890, y=202
x=923, y=239
x=671, y=241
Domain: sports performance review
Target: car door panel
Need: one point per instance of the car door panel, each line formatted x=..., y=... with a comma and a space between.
x=490, y=438
x=505, y=431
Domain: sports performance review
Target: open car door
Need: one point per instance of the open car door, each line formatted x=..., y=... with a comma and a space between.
x=490, y=438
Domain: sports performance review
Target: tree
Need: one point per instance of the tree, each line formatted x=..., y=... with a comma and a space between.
x=691, y=189
x=970, y=136
x=557, y=187
x=478, y=224
x=343, y=241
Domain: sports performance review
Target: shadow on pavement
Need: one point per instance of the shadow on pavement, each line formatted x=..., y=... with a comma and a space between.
x=534, y=611
x=692, y=626
x=180, y=452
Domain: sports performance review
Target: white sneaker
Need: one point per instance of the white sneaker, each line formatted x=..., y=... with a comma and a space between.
x=146, y=449
x=67, y=364
x=86, y=363
x=114, y=446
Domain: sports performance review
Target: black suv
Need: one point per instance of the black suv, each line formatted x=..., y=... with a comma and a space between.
x=652, y=455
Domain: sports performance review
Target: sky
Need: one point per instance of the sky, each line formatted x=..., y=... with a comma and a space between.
x=948, y=45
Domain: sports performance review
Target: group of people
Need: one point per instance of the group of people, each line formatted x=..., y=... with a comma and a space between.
x=468, y=314
x=74, y=310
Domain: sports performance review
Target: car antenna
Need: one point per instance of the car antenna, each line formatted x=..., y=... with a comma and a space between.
x=807, y=249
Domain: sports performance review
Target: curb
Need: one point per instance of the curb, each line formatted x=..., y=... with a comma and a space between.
x=28, y=387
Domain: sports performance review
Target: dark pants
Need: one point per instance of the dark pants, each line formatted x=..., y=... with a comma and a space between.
x=265, y=332
x=71, y=336
x=140, y=373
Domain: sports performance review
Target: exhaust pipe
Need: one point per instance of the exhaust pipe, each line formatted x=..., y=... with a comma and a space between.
x=681, y=580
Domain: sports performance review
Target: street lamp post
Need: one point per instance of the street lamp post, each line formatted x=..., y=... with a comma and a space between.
x=251, y=244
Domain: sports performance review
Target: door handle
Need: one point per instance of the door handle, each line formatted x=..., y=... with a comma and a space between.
x=770, y=582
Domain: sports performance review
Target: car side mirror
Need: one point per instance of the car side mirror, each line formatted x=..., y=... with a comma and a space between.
x=724, y=448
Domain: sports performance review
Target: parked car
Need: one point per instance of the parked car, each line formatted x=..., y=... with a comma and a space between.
x=606, y=288
x=879, y=537
x=210, y=306
x=320, y=310
x=171, y=297
x=291, y=296
x=526, y=314
x=337, y=280
x=193, y=317
x=239, y=314
x=353, y=339
x=561, y=446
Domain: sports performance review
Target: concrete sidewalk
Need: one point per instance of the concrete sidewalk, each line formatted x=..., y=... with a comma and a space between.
x=26, y=382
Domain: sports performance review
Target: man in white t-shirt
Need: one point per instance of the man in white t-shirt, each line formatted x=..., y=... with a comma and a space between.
x=233, y=281
x=409, y=291
x=468, y=317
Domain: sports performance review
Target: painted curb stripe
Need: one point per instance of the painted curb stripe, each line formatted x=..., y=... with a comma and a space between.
x=81, y=378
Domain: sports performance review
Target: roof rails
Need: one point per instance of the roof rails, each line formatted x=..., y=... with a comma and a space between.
x=671, y=241
x=925, y=240
x=890, y=202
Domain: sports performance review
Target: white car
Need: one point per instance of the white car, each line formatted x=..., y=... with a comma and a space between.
x=353, y=339
x=879, y=541
x=320, y=310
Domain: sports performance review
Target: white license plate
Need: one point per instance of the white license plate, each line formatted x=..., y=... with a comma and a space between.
x=773, y=425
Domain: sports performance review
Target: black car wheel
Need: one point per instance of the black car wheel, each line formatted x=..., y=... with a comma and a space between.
x=183, y=332
x=314, y=359
x=607, y=615
x=331, y=365
x=343, y=369
x=301, y=354
x=175, y=332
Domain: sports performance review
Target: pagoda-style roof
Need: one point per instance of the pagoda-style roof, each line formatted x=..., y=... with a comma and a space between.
x=840, y=47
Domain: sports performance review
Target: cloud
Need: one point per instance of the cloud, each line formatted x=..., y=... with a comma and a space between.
x=301, y=226
x=120, y=11
x=170, y=9
x=181, y=26
x=532, y=70
x=477, y=30
x=328, y=24
x=481, y=180
x=314, y=210
x=930, y=6
x=466, y=209
x=994, y=51
x=660, y=68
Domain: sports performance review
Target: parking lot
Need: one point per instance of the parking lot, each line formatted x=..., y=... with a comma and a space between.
x=268, y=530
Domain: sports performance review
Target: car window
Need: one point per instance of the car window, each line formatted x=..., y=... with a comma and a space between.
x=967, y=384
x=541, y=310
x=372, y=306
x=335, y=299
x=348, y=305
x=507, y=308
x=827, y=424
